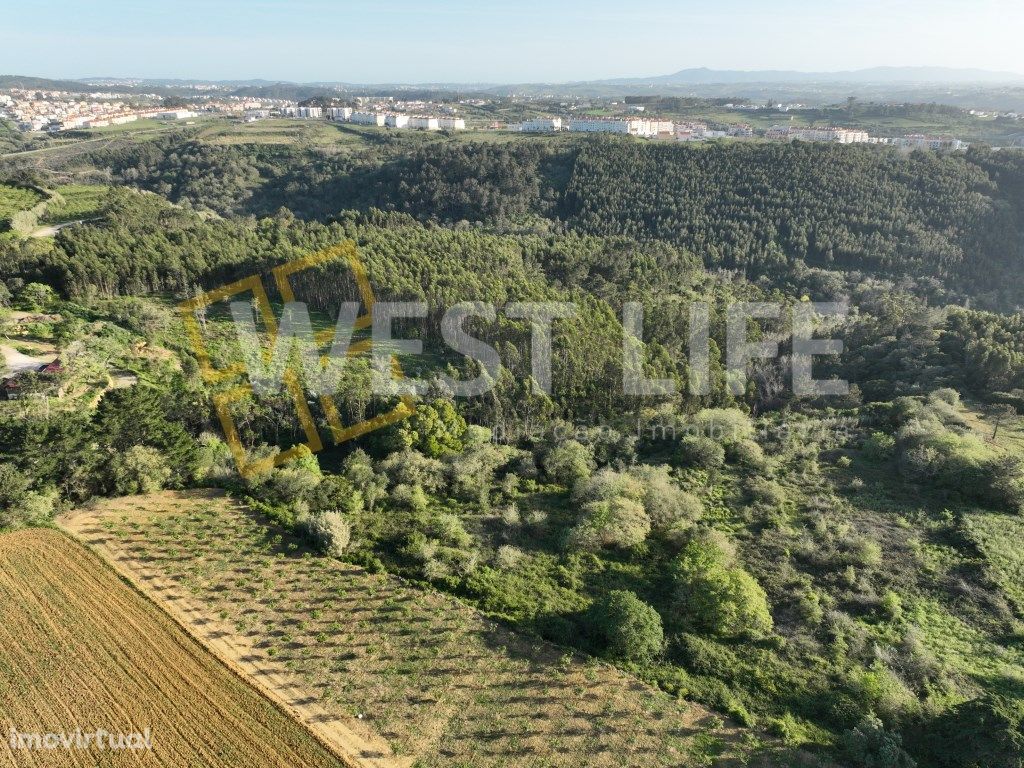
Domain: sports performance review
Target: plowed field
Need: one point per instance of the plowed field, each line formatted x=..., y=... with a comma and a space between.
x=79, y=649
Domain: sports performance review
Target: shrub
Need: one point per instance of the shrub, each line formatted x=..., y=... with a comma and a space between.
x=881, y=691
x=747, y=453
x=947, y=396
x=336, y=493
x=435, y=428
x=411, y=497
x=702, y=452
x=330, y=532
x=20, y=507
x=869, y=745
x=667, y=505
x=607, y=484
x=358, y=470
x=714, y=594
x=36, y=297
x=449, y=529
x=879, y=447
x=291, y=484
x=617, y=522
x=413, y=468
x=725, y=426
x=140, y=469
x=507, y=557
x=766, y=493
x=557, y=629
x=625, y=627
x=982, y=733
x=568, y=463
x=1006, y=485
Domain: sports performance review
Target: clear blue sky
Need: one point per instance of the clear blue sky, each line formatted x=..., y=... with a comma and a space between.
x=477, y=41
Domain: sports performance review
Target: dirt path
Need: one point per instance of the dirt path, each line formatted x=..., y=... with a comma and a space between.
x=53, y=229
x=15, y=361
x=356, y=744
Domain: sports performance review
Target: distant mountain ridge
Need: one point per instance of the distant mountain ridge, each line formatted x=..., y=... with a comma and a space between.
x=705, y=76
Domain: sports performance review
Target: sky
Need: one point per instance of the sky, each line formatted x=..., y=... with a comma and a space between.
x=476, y=41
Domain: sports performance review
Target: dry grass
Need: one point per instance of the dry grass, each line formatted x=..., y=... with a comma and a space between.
x=80, y=648
x=441, y=684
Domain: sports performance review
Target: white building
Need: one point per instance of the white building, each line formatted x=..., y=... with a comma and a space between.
x=452, y=124
x=830, y=134
x=175, y=114
x=396, y=120
x=920, y=141
x=309, y=112
x=660, y=127
x=633, y=126
x=539, y=125
x=425, y=123
x=600, y=125
x=368, y=118
x=339, y=113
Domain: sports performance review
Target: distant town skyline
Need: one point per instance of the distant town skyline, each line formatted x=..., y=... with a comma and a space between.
x=529, y=41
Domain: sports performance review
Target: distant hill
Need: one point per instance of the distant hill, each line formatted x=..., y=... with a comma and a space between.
x=43, y=83
x=705, y=76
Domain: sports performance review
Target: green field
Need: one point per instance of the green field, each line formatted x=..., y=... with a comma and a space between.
x=80, y=201
x=14, y=199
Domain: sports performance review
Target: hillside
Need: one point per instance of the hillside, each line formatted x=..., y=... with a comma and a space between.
x=832, y=574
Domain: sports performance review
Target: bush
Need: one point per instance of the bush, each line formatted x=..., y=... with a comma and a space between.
x=726, y=426
x=413, y=468
x=568, y=463
x=617, y=522
x=881, y=691
x=714, y=594
x=330, y=532
x=702, y=452
x=557, y=629
x=411, y=497
x=869, y=745
x=507, y=557
x=292, y=484
x=140, y=469
x=21, y=507
x=607, y=484
x=336, y=494
x=1006, y=488
x=983, y=733
x=766, y=493
x=625, y=627
x=668, y=506
x=746, y=453
x=435, y=428
x=879, y=447
x=36, y=297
